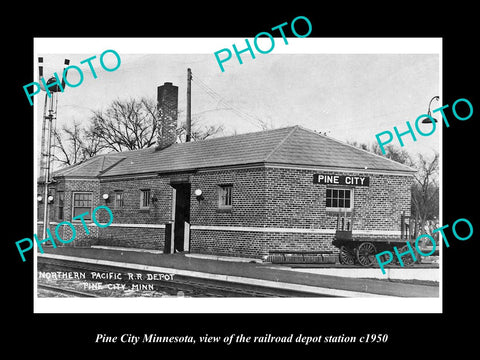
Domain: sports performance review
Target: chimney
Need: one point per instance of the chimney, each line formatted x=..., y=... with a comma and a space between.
x=167, y=102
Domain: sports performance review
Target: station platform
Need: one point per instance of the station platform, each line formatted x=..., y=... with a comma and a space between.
x=248, y=271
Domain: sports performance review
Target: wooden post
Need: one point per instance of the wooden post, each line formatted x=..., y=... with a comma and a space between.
x=186, y=237
x=402, y=223
x=189, y=105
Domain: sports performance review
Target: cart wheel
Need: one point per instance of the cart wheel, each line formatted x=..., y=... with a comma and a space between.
x=407, y=259
x=346, y=256
x=366, y=253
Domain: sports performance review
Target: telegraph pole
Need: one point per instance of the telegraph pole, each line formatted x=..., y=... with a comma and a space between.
x=47, y=164
x=48, y=126
x=189, y=105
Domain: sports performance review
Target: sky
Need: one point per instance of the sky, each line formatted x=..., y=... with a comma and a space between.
x=347, y=91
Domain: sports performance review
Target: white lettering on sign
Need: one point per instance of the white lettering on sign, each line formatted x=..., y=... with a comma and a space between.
x=341, y=180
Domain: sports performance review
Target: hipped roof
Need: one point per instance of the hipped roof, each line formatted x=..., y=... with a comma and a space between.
x=290, y=146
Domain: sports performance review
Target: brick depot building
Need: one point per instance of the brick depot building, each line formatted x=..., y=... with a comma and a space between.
x=243, y=195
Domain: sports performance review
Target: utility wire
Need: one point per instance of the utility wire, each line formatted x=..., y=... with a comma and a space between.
x=213, y=94
x=217, y=97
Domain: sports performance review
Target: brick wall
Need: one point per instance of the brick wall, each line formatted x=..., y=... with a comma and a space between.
x=290, y=199
x=248, y=207
x=293, y=200
x=125, y=236
x=167, y=98
x=248, y=210
x=158, y=213
x=262, y=197
x=68, y=187
x=230, y=243
x=255, y=244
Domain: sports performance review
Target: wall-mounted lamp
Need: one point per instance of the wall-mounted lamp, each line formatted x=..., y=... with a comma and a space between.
x=105, y=197
x=50, y=199
x=199, y=194
x=40, y=198
x=427, y=119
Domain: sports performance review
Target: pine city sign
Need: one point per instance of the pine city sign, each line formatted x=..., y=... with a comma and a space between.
x=341, y=180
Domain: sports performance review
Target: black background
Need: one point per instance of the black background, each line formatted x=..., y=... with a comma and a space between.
x=60, y=335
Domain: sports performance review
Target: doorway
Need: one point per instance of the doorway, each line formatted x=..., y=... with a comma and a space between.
x=181, y=221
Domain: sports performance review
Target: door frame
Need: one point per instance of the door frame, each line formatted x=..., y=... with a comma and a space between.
x=175, y=222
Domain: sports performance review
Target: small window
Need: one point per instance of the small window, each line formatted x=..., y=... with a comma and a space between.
x=61, y=201
x=145, y=199
x=337, y=199
x=82, y=202
x=119, y=200
x=225, y=196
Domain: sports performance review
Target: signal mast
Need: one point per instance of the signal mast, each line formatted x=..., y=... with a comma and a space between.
x=48, y=128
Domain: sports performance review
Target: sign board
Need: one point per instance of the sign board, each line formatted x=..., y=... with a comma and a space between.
x=179, y=179
x=330, y=179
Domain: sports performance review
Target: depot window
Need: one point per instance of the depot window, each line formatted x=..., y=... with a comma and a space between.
x=339, y=199
x=225, y=193
x=61, y=201
x=119, y=202
x=82, y=202
x=145, y=199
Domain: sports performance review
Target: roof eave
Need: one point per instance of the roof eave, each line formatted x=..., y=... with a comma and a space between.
x=408, y=171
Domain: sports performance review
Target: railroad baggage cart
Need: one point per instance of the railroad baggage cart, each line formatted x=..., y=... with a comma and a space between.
x=361, y=250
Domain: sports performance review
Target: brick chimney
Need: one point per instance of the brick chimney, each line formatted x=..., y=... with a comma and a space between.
x=167, y=102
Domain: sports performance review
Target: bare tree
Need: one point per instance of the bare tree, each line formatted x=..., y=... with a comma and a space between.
x=197, y=132
x=126, y=125
x=425, y=189
x=74, y=144
x=133, y=124
x=425, y=194
x=362, y=146
x=392, y=152
x=92, y=144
